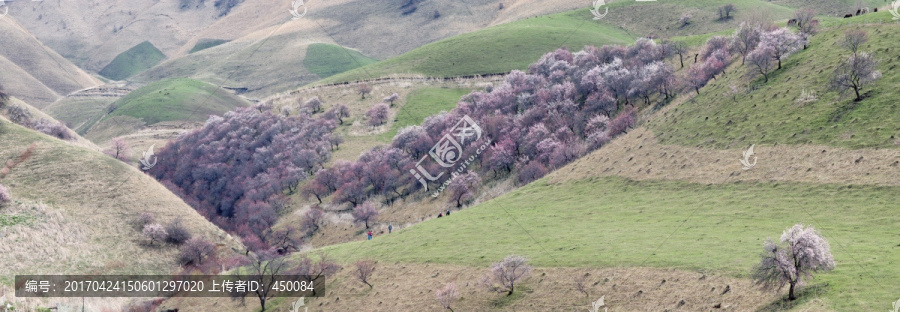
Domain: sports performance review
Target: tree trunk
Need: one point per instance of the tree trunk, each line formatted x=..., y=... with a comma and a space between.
x=779, y=63
x=855, y=89
x=791, y=295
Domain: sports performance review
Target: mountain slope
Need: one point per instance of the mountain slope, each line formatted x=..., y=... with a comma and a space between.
x=33, y=72
x=87, y=205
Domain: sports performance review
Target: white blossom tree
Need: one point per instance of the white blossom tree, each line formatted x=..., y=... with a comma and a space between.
x=783, y=43
x=802, y=251
x=506, y=274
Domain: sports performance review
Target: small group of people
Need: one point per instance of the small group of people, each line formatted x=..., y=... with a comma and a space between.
x=440, y=215
x=390, y=230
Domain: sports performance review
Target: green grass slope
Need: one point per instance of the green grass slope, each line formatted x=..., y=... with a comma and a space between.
x=771, y=114
x=326, y=60
x=135, y=60
x=176, y=100
x=204, y=44
x=497, y=49
x=611, y=222
x=79, y=113
x=422, y=103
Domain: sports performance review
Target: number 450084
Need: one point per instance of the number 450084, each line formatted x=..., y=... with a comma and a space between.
x=292, y=286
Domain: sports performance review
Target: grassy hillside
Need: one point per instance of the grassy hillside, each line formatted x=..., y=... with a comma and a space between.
x=772, y=114
x=497, y=49
x=176, y=100
x=611, y=222
x=79, y=113
x=422, y=103
x=326, y=60
x=33, y=72
x=134, y=60
x=80, y=207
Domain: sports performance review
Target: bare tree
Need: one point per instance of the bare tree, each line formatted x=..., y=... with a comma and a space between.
x=854, y=39
x=312, y=220
x=680, y=48
x=726, y=10
x=580, y=284
x=447, y=295
x=745, y=39
x=802, y=252
x=315, y=271
x=363, y=90
x=195, y=249
x=364, y=270
x=286, y=240
x=684, y=20
x=118, y=149
x=854, y=73
x=264, y=269
x=177, y=233
x=806, y=21
x=506, y=274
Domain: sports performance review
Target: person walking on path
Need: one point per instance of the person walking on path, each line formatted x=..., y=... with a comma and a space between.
x=370, y=235
x=390, y=228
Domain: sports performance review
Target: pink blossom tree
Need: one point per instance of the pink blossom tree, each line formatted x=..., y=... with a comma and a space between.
x=365, y=213
x=463, y=187
x=762, y=59
x=802, y=251
x=378, y=114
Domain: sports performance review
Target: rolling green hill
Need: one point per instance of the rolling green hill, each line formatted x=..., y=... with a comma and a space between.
x=772, y=113
x=497, y=49
x=326, y=60
x=176, y=100
x=135, y=60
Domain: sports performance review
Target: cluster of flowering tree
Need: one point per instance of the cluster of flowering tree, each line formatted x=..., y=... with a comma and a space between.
x=714, y=58
x=23, y=117
x=567, y=105
x=236, y=169
x=768, y=47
